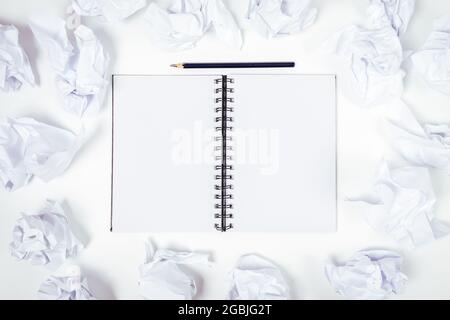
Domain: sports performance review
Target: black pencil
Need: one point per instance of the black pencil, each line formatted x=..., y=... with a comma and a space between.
x=220, y=65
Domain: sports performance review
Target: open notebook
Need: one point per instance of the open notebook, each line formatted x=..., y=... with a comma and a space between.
x=224, y=152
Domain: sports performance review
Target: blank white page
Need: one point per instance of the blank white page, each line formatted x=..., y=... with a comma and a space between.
x=285, y=153
x=162, y=143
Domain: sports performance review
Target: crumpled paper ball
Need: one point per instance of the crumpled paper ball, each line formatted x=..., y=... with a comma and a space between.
x=275, y=18
x=401, y=204
x=432, y=61
x=108, y=10
x=30, y=148
x=369, y=274
x=44, y=238
x=255, y=278
x=426, y=145
x=394, y=13
x=81, y=67
x=163, y=276
x=15, y=66
x=69, y=285
x=372, y=60
x=185, y=22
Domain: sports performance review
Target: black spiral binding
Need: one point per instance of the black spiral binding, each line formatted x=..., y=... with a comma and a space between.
x=224, y=195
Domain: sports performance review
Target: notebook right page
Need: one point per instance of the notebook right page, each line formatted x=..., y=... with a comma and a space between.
x=284, y=153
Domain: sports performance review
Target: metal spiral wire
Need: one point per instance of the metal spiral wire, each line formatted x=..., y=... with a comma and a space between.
x=224, y=174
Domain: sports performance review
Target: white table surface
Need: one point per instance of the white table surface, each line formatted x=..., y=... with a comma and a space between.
x=111, y=261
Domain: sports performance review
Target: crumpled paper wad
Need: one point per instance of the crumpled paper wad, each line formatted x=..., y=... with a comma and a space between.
x=15, y=67
x=371, y=63
x=69, y=285
x=30, y=148
x=108, y=10
x=369, y=274
x=401, y=203
x=81, y=69
x=274, y=18
x=44, y=238
x=432, y=61
x=163, y=276
x=184, y=23
x=394, y=13
x=425, y=146
x=255, y=278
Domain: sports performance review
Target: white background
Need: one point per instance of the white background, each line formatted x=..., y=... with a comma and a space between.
x=111, y=261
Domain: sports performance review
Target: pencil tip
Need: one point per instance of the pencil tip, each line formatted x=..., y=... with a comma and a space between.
x=177, y=65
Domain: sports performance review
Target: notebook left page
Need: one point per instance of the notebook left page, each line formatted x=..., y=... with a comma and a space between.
x=163, y=153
